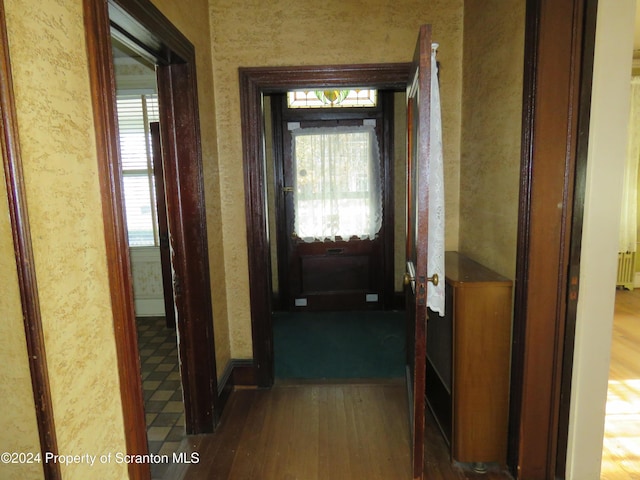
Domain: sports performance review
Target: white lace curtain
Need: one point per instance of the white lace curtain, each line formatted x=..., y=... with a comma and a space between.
x=435, y=253
x=629, y=210
x=336, y=183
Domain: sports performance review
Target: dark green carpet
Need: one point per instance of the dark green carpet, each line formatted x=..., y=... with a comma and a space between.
x=339, y=344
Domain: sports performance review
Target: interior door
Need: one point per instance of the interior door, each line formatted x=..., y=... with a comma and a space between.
x=416, y=280
x=163, y=227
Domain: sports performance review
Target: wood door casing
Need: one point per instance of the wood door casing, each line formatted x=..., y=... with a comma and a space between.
x=163, y=227
x=187, y=217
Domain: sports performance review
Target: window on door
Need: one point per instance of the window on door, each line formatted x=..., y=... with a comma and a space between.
x=337, y=183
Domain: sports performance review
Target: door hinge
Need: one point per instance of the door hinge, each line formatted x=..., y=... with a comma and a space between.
x=287, y=189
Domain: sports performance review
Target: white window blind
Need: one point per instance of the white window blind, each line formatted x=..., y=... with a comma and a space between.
x=135, y=112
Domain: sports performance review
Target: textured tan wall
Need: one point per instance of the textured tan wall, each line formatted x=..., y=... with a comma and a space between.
x=18, y=429
x=491, y=127
x=192, y=19
x=46, y=41
x=293, y=32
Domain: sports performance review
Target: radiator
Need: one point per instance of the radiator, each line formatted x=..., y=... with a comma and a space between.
x=626, y=269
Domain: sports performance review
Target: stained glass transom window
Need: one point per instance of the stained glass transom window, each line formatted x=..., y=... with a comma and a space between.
x=332, y=98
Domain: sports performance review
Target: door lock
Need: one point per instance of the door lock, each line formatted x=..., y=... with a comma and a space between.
x=433, y=279
x=408, y=279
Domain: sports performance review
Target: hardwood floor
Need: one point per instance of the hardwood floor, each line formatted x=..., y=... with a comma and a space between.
x=354, y=431
x=621, y=446
x=317, y=431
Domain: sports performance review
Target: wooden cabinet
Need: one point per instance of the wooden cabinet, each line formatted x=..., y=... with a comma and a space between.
x=468, y=357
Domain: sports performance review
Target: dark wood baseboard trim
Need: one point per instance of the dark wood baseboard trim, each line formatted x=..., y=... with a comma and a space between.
x=238, y=373
x=398, y=301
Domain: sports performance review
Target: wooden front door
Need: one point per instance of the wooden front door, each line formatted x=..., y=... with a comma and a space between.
x=416, y=282
x=332, y=167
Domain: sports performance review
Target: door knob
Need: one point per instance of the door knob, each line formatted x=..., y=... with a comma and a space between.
x=433, y=279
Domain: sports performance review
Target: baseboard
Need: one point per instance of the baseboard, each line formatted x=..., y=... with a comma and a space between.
x=238, y=373
x=398, y=301
x=149, y=307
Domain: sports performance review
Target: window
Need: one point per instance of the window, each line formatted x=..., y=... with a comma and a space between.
x=135, y=112
x=336, y=182
x=360, y=97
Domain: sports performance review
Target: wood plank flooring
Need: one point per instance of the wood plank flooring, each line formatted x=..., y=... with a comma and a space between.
x=317, y=431
x=621, y=446
x=356, y=431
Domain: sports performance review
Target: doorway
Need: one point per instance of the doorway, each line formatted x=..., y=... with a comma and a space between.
x=255, y=82
x=329, y=171
x=174, y=56
x=620, y=458
x=149, y=250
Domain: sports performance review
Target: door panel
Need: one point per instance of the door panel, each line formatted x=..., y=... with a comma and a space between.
x=163, y=227
x=418, y=115
x=323, y=274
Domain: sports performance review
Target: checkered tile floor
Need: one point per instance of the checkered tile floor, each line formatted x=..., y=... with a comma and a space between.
x=162, y=388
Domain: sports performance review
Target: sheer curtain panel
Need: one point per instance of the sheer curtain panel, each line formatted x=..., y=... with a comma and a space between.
x=337, y=186
x=629, y=209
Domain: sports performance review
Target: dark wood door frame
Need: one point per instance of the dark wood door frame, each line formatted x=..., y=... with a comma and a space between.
x=163, y=226
x=254, y=83
x=573, y=276
x=147, y=29
x=559, y=40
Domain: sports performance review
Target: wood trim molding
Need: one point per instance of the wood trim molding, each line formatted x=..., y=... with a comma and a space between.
x=143, y=25
x=522, y=260
x=103, y=90
x=387, y=100
x=12, y=163
x=280, y=79
x=551, y=106
x=254, y=82
x=584, y=114
x=239, y=373
x=184, y=187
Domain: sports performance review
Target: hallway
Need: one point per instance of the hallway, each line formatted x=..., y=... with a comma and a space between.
x=316, y=431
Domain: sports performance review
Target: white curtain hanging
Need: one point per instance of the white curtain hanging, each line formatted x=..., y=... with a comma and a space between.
x=629, y=210
x=435, y=253
x=336, y=183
